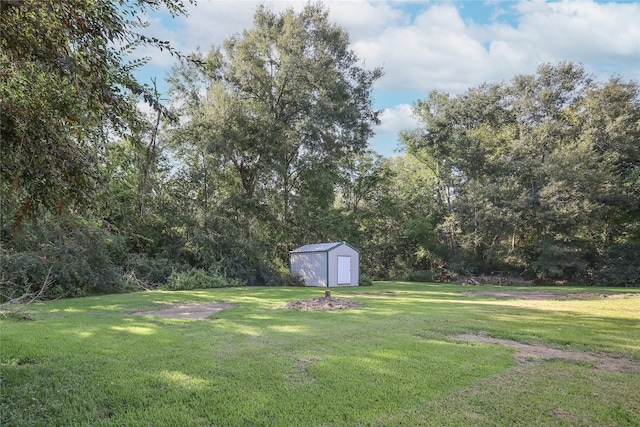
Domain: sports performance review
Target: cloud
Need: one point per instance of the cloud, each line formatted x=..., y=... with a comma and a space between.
x=441, y=50
x=583, y=30
x=365, y=19
x=433, y=46
x=209, y=23
x=393, y=120
x=436, y=51
x=397, y=118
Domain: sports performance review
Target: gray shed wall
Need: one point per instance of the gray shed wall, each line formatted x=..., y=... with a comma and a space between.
x=311, y=266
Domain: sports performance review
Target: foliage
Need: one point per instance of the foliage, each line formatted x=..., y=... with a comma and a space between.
x=365, y=280
x=620, y=266
x=63, y=79
x=200, y=279
x=77, y=254
x=421, y=276
x=270, y=119
x=537, y=176
x=151, y=271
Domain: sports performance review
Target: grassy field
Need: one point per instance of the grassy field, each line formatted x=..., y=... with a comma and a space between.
x=392, y=361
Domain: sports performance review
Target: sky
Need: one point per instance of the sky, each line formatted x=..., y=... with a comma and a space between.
x=449, y=46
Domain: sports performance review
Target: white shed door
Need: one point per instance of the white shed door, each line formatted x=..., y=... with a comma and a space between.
x=344, y=270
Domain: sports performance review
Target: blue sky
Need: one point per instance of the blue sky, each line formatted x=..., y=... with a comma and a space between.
x=424, y=45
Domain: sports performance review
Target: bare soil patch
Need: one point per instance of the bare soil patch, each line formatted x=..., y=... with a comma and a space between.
x=528, y=353
x=322, y=303
x=545, y=295
x=188, y=311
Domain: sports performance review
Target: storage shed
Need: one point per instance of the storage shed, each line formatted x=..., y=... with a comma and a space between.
x=326, y=264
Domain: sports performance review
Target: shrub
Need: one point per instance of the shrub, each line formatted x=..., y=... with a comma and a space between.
x=200, y=279
x=437, y=274
x=622, y=267
x=244, y=260
x=152, y=272
x=288, y=279
x=365, y=280
x=420, y=276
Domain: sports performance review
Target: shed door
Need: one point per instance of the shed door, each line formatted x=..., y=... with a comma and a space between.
x=344, y=270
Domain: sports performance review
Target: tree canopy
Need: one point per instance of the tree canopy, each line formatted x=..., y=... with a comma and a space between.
x=64, y=79
x=285, y=96
x=540, y=174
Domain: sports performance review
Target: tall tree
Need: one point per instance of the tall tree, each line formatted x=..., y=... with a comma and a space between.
x=63, y=76
x=285, y=97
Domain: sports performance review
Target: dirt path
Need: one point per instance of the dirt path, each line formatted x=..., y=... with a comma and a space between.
x=188, y=311
x=528, y=353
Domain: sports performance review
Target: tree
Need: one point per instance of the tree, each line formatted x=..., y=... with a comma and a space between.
x=63, y=79
x=285, y=97
x=363, y=177
x=539, y=174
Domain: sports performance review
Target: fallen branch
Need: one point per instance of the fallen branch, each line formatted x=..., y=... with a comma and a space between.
x=14, y=306
x=142, y=284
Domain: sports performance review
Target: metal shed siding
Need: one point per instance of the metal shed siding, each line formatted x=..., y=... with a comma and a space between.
x=311, y=266
x=317, y=264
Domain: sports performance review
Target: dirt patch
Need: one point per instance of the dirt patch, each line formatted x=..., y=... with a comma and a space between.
x=188, y=311
x=323, y=303
x=545, y=295
x=528, y=353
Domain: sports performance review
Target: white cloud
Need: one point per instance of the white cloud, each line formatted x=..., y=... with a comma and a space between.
x=581, y=29
x=437, y=48
x=365, y=19
x=397, y=118
x=393, y=120
x=435, y=52
x=441, y=50
x=211, y=22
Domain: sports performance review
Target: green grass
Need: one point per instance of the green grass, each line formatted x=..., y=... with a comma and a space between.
x=88, y=361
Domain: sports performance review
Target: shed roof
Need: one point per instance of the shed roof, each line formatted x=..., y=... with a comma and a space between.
x=318, y=247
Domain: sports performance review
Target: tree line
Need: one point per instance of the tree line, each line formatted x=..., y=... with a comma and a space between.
x=263, y=148
x=539, y=176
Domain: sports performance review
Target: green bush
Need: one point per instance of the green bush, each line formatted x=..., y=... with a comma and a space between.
x=436, y=274
x=200, y=279
x=288, y=279
x=622, y=266
x=244, y=260
x=365, y=280
x=154, y=272
x=420, y=276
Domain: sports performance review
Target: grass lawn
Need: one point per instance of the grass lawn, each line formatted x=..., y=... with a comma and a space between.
x=392, y=361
